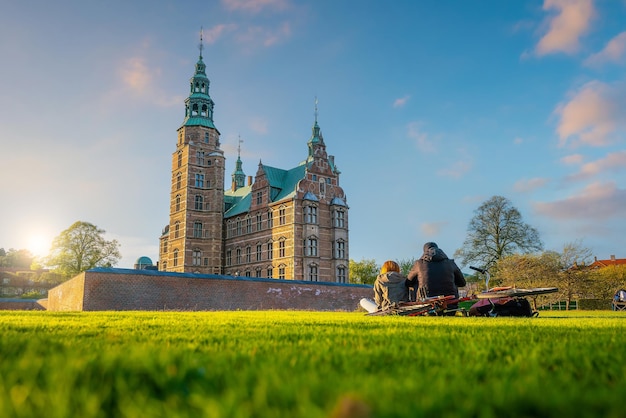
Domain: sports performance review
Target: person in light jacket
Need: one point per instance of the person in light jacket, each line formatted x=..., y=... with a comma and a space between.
x=434, y=274
x=390, y=287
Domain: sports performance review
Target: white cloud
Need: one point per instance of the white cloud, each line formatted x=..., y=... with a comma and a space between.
x=400, y=102
x=593, y=114
x=572, y=159
x=528, y=185
x=256, y=36
x=596, y=201
x=136, y=75
x=211, y=35
x=422, y=139
x=614, y=51
x=255, y=6
x=571, y=21
x=456, y=170
x=431, y=229
x=612, y=162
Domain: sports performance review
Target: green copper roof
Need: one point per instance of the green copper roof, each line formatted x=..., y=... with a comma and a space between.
x=199, y=121
x=283, y=185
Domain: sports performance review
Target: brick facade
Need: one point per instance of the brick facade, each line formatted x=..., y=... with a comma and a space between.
x=110, y=289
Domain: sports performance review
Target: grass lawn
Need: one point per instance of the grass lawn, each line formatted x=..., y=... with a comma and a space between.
x=310, y=364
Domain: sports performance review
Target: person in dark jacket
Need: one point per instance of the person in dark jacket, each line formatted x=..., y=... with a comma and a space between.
x=434, y=274
x=390, y=287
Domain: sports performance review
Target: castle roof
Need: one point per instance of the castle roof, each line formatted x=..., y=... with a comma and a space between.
x=283, y=185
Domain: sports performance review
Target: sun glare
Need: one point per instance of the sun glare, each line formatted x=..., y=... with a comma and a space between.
x=39, y=245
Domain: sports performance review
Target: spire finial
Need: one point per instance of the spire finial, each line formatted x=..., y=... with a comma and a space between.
x=239, y=142
x=316, y=109
x=201, y=46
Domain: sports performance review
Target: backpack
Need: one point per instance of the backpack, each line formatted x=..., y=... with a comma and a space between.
x=505, y=307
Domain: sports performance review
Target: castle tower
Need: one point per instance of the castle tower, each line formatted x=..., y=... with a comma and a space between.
x=192, y=241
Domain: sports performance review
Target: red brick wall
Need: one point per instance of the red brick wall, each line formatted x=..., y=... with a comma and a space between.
x=145, y=290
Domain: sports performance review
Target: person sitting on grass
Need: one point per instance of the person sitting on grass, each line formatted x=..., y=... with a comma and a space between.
x=390, y=287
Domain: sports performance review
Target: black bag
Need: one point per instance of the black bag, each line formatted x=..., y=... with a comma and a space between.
x=511, y=307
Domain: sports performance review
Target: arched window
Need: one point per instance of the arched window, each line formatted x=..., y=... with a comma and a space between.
x=175, y=258
x=177, y=206
x=197, y=229
x=176, y=229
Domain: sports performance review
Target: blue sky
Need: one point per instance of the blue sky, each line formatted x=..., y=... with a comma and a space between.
x=430, y=108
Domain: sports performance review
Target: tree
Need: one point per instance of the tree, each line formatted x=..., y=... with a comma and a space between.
x=81, y=247
x=530, y=270
x=363, y=272
x=406, y=265
x=16, y=258
x=495, y=231
x=573, y=280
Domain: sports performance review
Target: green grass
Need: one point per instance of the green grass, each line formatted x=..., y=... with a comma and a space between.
x=310, y=364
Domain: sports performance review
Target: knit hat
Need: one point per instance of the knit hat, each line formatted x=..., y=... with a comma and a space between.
x=429, y=245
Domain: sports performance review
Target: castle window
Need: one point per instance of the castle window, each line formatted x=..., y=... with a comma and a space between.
x=175, y=258
x=196, y=258
x=194, y=110
x=176, y=229
x=206, y=261
x=311, y=247
x=180, y=155
x=259, y=252
x=196, y=88
x=281, y=247
x=229, y=257
x=177, y=205
x=281, y=271
x=313, y=273
x=270, y=250
x=248, y=274
x=339, y=219
x=238, y=227
x=341, y=275
x=257, y=272
x=238, y=255
x=259, y=221
x=206, y=137
x=340, y=249
x=248, y=254
x=270, y=272
x=248, y=225
x=310, y=214
x=259, y=197
x=178, y=181
x=200, y=180
x=281, y=216
x=270, y=219
x=208, y=163
x=199, y=202
x=322, y=187
x=197, y=229
x=200, y=157
x=204, y=111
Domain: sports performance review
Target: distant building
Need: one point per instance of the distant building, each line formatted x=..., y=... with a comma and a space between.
x=144, y=263
x=607, y=263
x=283, y=223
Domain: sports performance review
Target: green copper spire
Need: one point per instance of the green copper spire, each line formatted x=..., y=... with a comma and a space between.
x=199, y=105
x=238, y=176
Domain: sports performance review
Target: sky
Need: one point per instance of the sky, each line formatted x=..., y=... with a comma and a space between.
x=430, y=108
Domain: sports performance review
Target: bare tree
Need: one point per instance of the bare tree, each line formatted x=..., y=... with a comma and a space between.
x=495, y=231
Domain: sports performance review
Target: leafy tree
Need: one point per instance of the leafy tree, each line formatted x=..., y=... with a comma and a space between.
x=573, y=280
x=604, y=282
x=495, y=231
x=16, y=258
x=530, y=270
x=363, y=272
x=81, y=247
x=406, y=265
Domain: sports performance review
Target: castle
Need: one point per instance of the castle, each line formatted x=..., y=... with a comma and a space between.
x=283, y=224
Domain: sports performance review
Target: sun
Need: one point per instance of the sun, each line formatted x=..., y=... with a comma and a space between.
x=39, y=245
